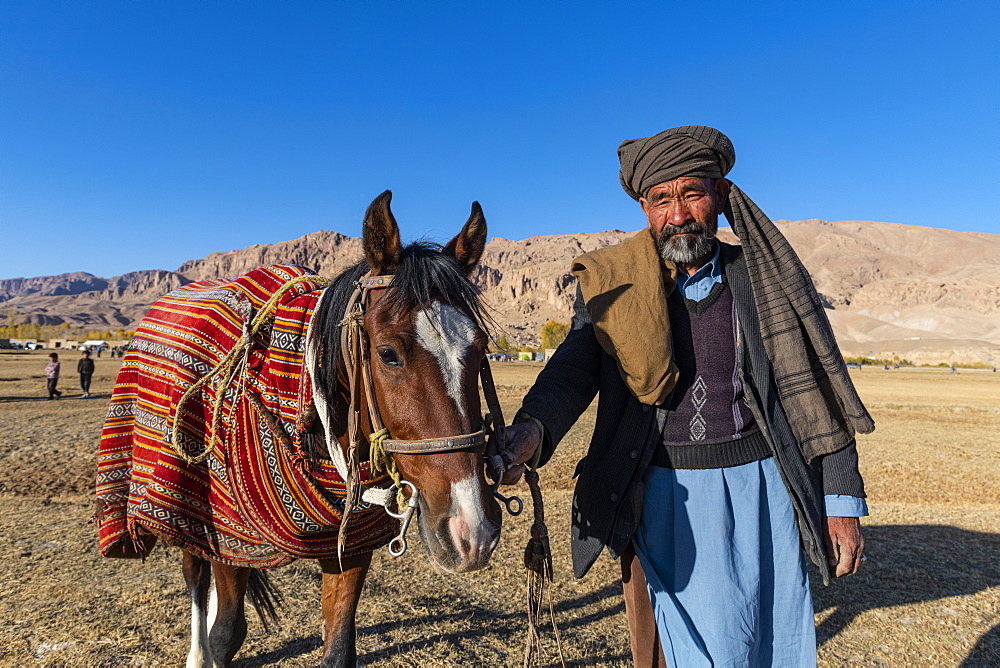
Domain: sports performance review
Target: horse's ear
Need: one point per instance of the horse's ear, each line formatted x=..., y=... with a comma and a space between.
x=381, y=236
x=467, y=246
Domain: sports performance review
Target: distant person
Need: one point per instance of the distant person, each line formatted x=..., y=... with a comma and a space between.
x=85, y=367
x=99, y=349
x=52, y=376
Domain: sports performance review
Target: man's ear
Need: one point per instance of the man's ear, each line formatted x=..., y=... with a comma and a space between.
x=644, y=203
x=722, y=187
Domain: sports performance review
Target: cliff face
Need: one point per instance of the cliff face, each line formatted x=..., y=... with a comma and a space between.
x=49, y=286
x=882, y=282
x=528, y=283
x=328, y=253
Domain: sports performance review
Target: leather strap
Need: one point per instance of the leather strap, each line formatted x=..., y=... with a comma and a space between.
x=355, y=350
x=429, y=445
x=493, y=404
x=374, y=282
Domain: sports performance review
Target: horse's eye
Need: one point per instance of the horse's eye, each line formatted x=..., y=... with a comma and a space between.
x=389, y=356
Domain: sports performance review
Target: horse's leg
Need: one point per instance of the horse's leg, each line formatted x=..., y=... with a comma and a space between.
x=198, y=577
x=341, y=591
x=228, y=630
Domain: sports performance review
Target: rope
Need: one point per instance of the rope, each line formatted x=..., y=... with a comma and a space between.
x=538, y=564
x=381, y=460
x=230, y=364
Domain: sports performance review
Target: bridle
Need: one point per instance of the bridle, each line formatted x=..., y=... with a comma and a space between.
x=355, y=353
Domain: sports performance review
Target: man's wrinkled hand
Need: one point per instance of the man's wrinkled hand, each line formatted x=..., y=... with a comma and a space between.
x=522, y=440
x=845, y=545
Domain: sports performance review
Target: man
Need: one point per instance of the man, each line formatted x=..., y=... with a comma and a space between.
x=724, y=443
x=85, y=367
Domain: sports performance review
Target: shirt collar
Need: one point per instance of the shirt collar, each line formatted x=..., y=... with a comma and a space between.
x=711, y=269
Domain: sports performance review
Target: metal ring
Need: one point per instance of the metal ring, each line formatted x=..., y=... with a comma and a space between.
x=397, y=551
x=513, y=504
x=410, y=503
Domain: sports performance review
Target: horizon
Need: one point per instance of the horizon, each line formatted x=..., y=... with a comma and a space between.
x=141, y=136
x=489, y=239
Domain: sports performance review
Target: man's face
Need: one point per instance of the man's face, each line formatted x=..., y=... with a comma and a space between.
x=684, y=215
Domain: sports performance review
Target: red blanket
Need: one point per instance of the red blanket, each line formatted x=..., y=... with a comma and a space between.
x=254, y=501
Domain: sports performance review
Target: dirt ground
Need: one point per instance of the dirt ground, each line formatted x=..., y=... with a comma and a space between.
x=929, y=593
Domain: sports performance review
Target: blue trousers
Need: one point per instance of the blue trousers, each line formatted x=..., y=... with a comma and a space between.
x=725, y=573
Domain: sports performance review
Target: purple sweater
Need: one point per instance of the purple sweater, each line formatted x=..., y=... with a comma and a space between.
x=709, y=424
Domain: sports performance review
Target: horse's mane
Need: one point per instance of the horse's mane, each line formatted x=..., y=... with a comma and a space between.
x=424, y=272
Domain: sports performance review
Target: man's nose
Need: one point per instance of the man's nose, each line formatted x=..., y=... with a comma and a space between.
x=679, y=214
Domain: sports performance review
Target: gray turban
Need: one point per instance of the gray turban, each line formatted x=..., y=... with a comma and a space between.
x=692, y=150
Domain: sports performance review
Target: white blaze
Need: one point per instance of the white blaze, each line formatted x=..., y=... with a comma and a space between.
x=446, y=333
x=465, y=497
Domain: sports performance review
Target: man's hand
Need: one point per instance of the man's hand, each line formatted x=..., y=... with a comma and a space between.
x=522, y=441
x=844, y=545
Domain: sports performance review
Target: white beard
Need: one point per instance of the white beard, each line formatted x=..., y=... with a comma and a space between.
x=683, y=248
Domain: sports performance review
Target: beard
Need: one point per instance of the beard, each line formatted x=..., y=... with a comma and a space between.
x=684, y=249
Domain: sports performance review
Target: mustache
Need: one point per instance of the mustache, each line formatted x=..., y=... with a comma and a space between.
x=691, y=227
x=687, y=228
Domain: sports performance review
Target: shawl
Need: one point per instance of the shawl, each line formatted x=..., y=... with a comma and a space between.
x=625, y=285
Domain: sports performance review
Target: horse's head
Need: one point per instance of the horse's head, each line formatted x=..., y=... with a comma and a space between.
x=425, y=342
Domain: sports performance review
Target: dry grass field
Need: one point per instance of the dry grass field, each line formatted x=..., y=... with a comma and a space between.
x=929, y=594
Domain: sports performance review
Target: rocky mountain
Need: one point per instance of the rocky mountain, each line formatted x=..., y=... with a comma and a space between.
x=933, y=294
x=328, y=253
x=48, y=286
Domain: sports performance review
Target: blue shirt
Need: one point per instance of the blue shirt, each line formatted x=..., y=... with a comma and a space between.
x=696, y=287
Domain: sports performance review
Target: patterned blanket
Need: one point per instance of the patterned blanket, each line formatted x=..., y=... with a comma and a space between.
x=253, y=501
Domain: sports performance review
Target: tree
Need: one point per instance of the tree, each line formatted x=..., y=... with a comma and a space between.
x=554, y=333
x=502, y=345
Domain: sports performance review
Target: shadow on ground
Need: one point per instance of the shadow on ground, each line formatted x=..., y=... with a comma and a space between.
x=916, y=564
x=507, y=627
x=906, y=565
x=67, y=396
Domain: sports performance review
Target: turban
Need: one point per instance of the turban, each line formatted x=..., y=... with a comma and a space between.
x=816, y=392
x=692, y=150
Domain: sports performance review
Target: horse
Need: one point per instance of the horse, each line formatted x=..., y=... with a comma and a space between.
x=392, y=348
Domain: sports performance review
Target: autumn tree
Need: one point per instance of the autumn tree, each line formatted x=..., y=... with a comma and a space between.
x=554, y=333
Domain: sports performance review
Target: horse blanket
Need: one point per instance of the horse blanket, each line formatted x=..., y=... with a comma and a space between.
x=257, y=500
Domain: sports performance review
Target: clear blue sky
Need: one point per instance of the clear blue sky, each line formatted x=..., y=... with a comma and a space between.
x=138, y=135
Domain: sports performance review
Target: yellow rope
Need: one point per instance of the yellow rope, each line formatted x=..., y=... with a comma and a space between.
x=230, y=365
x=380, y=460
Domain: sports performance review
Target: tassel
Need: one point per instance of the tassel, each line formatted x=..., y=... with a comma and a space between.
x=538, y=567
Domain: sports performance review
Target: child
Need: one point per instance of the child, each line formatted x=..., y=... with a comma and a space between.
x=52, y=374
x=85, y=367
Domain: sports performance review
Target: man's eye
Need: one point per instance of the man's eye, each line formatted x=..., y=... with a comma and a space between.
x=389, y=357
